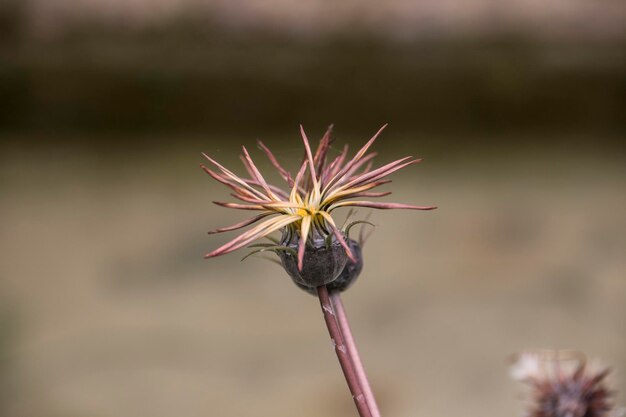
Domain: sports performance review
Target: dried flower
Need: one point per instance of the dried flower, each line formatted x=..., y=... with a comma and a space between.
x=313, y=249
x=563, y=387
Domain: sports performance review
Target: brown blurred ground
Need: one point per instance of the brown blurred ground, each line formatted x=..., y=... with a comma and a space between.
x=116, y=314
x=108, y=309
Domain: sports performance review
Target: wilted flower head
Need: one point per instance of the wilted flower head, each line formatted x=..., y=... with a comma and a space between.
x=313, y=249
x=563, y=387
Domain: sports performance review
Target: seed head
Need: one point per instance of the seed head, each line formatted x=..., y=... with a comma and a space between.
x=348, y=275
x=313, y=249
x=563, y=389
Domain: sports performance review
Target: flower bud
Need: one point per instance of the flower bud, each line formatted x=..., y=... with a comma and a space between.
x=351, y=271
x=348, y=275
x=324, y=260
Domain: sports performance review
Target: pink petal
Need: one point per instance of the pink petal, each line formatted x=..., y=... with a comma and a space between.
x=355, y=159
x=370, y=195
x=331, y=170
x=366, y=158
x=232, y=176
x=345, y=193
x=382, y=171
x=274, y=189
x=322, y=149
x=304, y=234
x=241, y=224
x=376, y=205
x=252, y=200
x=309, y=155
x=221, y=180
x=338, y=235
x=343, y=243
x=296, y=183
x=283, y=172
x=256, y=232
x=256, y=174
x=239, y=206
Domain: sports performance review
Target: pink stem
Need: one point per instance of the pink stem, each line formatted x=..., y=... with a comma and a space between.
x=342, y=353
x=353, y=352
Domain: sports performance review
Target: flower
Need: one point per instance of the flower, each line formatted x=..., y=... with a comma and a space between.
x=565, y=389
x=303, y=212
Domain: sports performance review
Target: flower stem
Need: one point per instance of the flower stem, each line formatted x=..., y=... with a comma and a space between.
x=353, y=352
x=342, y=352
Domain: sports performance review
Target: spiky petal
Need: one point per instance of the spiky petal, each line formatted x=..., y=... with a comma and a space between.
x=318, y=188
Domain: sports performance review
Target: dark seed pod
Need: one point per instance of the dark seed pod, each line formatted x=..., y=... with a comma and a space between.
x=348, y=275
x=324, y=260
x=351, y=271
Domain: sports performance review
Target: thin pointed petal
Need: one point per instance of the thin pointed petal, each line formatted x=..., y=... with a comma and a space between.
x=343, y=243
x=232, y=176
x=241, y=224
x=331, y=170
x=278, y=191
x=247, y=166
x=376, y=205
x=239, y=206
x=369, y=143
x=309, y=155
x=346, y=193
x=283, y=172
x=224, y=181
x=256, y=174
x=274, y=189
x=367, y=169
x=339, y=236
x=256, y=232
x=296, y=183
x=370, y=195
x=284, y=204
x=304, y=234
x=381, y=172
x=252, y=200
x=356, y=158
x=322, y=150
x=364, y=160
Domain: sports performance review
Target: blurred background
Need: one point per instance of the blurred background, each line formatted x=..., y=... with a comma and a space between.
x=106, y=305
